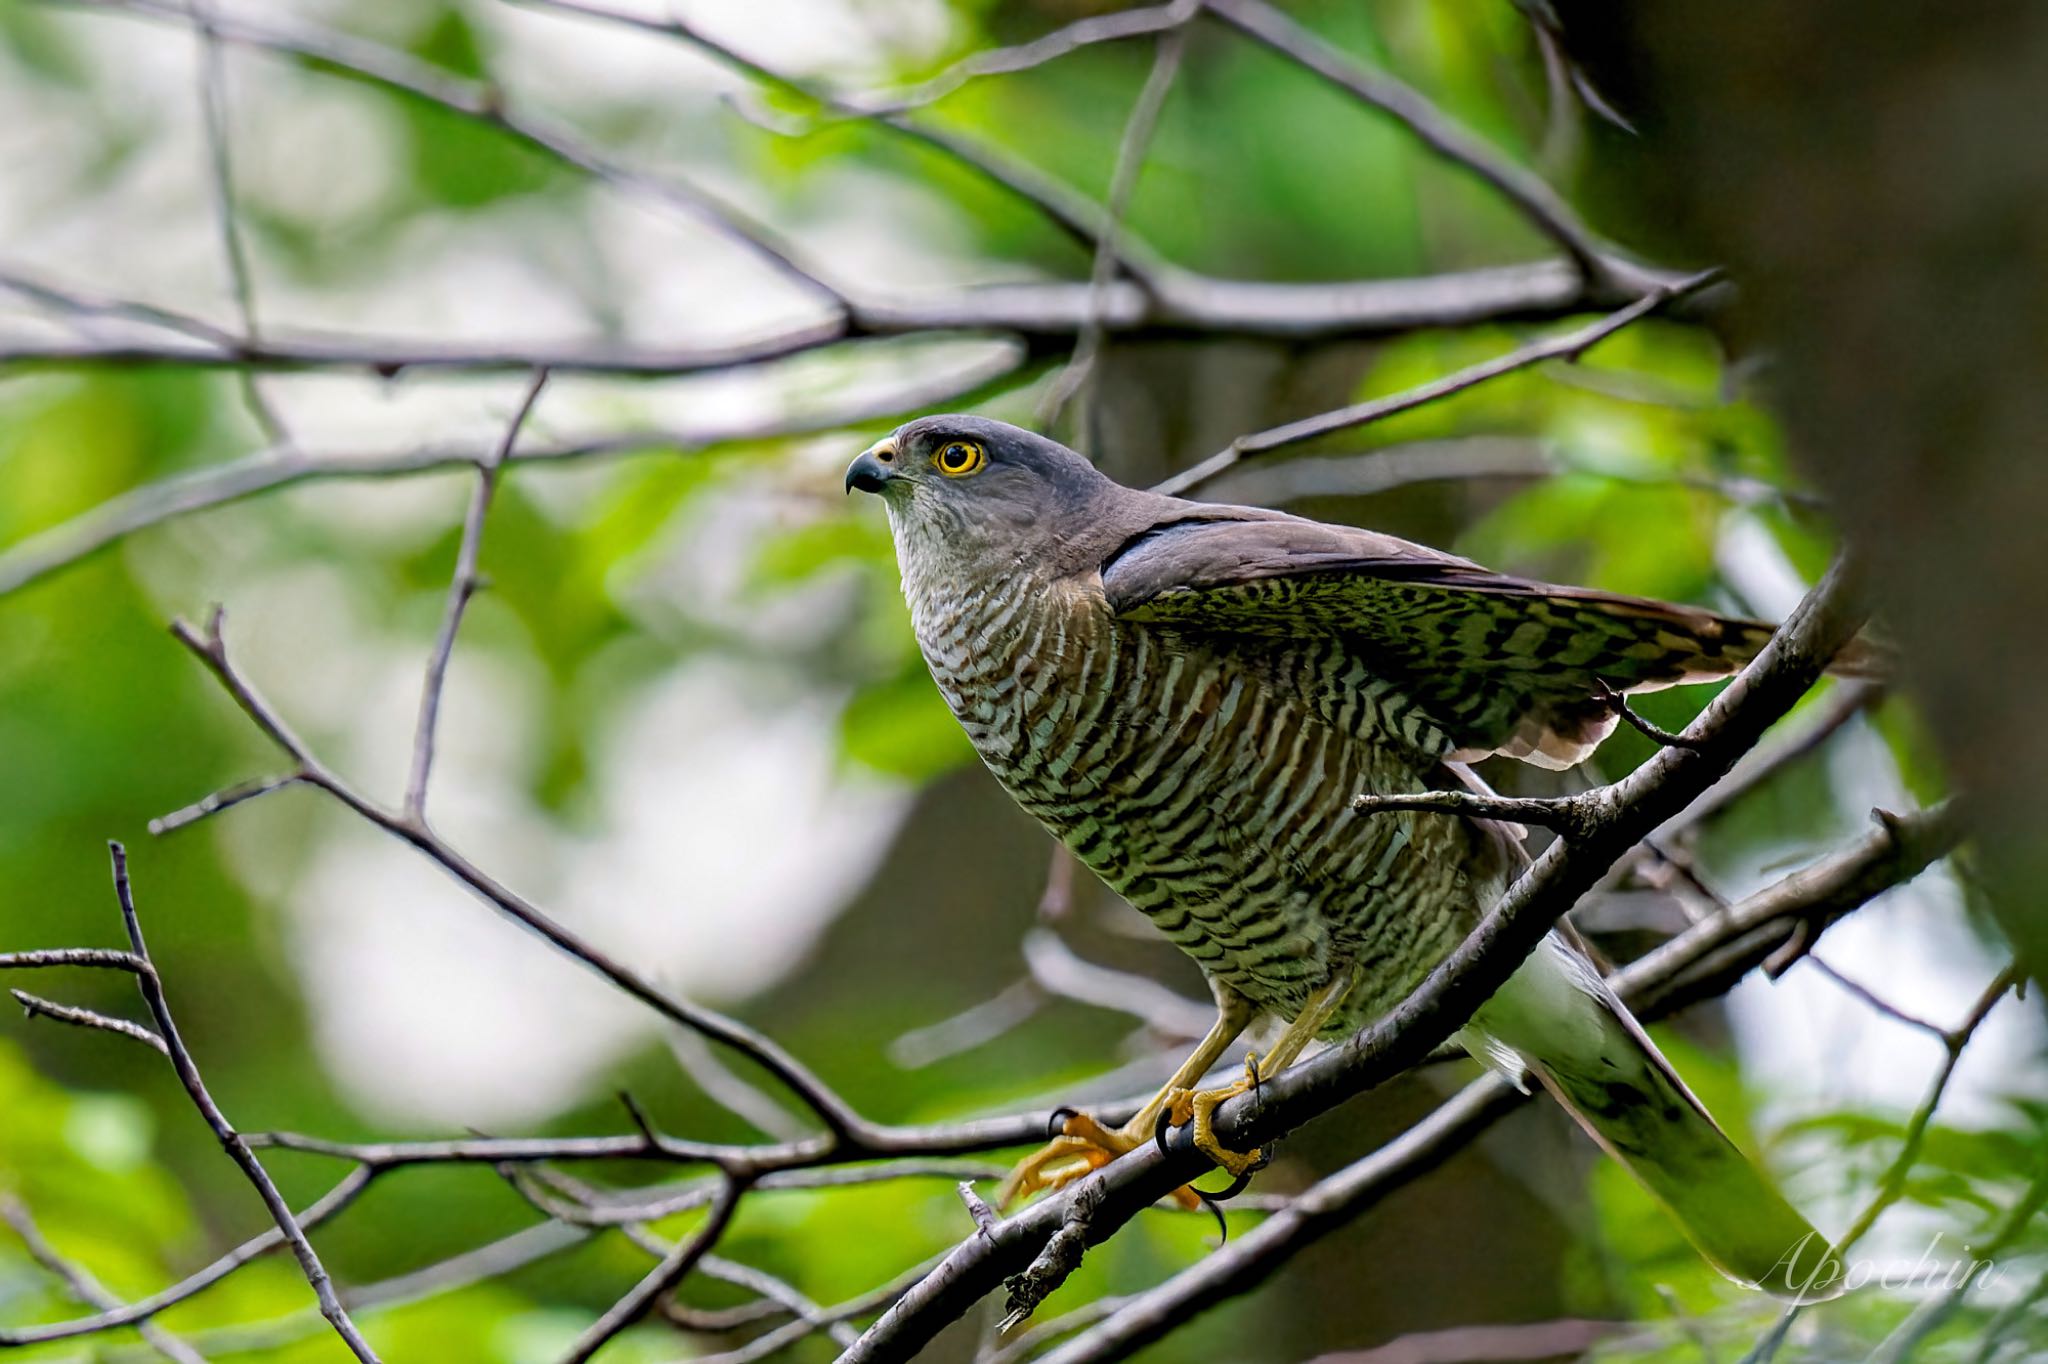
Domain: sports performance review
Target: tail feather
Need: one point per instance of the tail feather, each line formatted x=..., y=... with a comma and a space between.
x=1559, y=1018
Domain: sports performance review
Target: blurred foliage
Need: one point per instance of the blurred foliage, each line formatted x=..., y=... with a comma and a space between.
x=1257, y=172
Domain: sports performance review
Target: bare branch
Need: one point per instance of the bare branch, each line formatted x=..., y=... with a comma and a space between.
x=231, y=1141
x=1130, y=163
x=1137, y=22
x=328, y=1205
x=696, y=1059
x=1573, y=817
x=226, y=799
x=180, y=495
x=974, y=1026
x=1656, y=734
x=1790, y=663
x=1535, y=200
x=1875, y=1000
x=81, y=304
x=1059, y=970
x=673, y=1269
x=1651, y=986
x=73, y=956
x=35, y=1006
x=1570, y=345
x=210, y=648
x=482, y=103
x=460, y=590
x=214, y=115
x=780, y=1293
x=1891, y=1185
x=1067, y=209
x=81, y=1282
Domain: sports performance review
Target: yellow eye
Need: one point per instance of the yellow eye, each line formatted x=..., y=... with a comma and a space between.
x=959, y=458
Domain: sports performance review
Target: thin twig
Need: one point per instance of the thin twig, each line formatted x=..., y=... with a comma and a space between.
x=1137, y=22
x=1570, y=816
x=672, y=1270
x=225, y=799
x=180, y=495
x=1047, y=315
x=210, y=647
x=86, y=1288
x=212, y=79
x=231, y=1141
x=35, y=1006
x=1073, y=213
x=1891, y=1185
x=463, y=587
x=326, y=1206
x=1130, y=163
x=1905, y=1339
x=1060, y=971
x=1655, y=733
x=1536, y=201
x=1875, y=1000
x=485, y=103
x=1570, y=345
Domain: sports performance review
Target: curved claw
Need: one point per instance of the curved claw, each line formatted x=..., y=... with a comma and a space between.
x=1215, y=1207
x=1056, y=1125
x=1161, y=1125
x=1260, y=1160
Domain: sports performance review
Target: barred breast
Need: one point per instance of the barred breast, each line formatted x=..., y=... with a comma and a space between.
x=1209, y=792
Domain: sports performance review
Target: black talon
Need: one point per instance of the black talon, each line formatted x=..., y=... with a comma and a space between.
x=1057, y=1126
x=1161, y=1125
x=1214, y=1205
x=1237, y=1186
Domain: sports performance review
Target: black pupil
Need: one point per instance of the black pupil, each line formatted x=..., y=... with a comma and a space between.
x=956, y=455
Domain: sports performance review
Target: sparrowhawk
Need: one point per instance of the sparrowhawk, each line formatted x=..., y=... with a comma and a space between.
x=1189, y=696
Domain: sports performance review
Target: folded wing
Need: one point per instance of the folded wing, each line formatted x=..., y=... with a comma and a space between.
x=1497, y=664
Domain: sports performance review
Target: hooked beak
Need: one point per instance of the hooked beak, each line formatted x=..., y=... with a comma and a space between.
x=874, y=467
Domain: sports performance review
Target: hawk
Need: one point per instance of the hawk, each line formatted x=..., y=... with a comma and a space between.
x=1189, y=696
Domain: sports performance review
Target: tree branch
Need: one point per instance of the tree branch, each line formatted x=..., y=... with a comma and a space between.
x=1790, y=663
x=212, y=81
x=1650, y=987
x=1536, y=201
x=673, y=1269
x=180, y=495
x=81, y=1282
x=1570, y=345
x=484, y=103
x=1131, y=150
x=35, y=1006
x=460, y=590
x=210, y=648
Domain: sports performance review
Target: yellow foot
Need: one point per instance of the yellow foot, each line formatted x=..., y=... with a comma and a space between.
x=1199, y=1107
x=1082, y=1146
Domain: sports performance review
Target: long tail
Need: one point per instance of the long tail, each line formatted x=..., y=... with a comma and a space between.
x=1557, y=1017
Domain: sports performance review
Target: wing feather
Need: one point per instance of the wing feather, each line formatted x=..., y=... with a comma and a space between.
x=1498, y=664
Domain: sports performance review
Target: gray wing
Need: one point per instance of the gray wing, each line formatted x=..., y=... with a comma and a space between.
x=1462, y=661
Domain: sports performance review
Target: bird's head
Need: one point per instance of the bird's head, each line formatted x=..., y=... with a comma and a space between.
x=968, y=487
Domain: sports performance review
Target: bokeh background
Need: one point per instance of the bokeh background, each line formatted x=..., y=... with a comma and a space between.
x=688, y=718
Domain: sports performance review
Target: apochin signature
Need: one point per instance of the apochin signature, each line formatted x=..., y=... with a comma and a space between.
x=1829, y=1277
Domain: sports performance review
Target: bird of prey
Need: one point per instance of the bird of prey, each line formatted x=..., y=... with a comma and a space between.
x=1189, y=696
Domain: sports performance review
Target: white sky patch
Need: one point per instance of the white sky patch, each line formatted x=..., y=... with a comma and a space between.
x=727, y=836
x=1807, y=1045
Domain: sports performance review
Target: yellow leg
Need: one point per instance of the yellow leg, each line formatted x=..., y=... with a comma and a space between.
x=1085, y=1144
x=1199, y=1106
